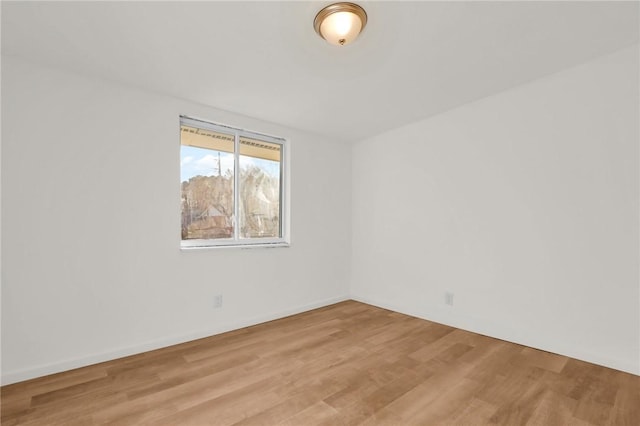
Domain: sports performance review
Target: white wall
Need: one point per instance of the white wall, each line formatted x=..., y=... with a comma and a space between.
x=523, y=204
x=91, y=262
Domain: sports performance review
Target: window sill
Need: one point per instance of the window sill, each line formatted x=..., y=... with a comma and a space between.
x=237, y=246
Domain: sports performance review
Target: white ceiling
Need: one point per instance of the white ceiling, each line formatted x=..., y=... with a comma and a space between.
x=263, y=59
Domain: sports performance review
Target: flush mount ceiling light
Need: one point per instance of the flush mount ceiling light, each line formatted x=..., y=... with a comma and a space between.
x=340, y=23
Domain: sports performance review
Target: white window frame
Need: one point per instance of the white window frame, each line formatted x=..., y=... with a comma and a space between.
x=236, y=240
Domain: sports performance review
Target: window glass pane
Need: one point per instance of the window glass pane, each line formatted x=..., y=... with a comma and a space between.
x=259, y=198
x=206, y=173
x=207, y=139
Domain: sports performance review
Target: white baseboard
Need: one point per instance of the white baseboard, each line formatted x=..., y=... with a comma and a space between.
x=57, y=367
x=478, y=327
x=505, y=332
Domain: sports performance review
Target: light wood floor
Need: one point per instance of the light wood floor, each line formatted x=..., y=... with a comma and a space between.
x=346, y=364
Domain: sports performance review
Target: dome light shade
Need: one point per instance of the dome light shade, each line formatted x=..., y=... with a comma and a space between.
x=340, y=23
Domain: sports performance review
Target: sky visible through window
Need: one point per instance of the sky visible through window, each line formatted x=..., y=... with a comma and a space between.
x=204, y=162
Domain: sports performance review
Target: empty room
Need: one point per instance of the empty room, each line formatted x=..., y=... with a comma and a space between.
x=315, y=213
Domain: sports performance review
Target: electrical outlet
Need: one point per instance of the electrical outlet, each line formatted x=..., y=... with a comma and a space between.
x=217, y=301
x=448, y=298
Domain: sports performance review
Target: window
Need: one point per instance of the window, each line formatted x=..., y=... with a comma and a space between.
x=232, y=186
